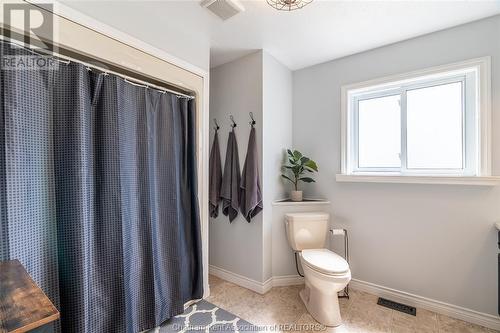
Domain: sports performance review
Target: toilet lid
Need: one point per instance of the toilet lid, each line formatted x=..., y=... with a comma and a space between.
x=325, y=261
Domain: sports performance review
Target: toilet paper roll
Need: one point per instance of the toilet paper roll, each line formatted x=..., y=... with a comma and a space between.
x=336, y=232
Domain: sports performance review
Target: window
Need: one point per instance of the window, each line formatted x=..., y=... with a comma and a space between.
x=421, y=126
x=429, y=123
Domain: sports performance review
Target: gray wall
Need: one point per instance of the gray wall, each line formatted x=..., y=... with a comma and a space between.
x=236, y=88
x=277, y=136
x=435, y=241
x=260, y=84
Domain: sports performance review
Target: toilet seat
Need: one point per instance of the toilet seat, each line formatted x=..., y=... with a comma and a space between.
x=325, y=261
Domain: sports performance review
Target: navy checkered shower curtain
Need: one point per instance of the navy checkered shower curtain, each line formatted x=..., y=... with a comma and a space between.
x=98, y=195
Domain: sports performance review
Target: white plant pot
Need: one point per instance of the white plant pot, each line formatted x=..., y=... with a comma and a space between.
x=296, y=195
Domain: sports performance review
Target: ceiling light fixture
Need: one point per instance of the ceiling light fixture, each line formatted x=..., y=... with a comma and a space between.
x=288, y=4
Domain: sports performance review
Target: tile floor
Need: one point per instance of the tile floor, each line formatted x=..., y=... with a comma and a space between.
x=283, y=306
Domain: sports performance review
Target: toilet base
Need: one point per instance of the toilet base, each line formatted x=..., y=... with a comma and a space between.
x=326, y=312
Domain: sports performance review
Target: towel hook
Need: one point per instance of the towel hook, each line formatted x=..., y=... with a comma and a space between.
x=217, y=127
x=251, y=117
x=234, y=123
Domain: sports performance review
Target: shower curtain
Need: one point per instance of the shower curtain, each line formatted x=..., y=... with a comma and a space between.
x=98, y=195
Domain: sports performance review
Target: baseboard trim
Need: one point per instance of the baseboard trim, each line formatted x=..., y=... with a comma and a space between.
x=240, y=280
x=454, y=311
x=287, y=280
x=258, y=287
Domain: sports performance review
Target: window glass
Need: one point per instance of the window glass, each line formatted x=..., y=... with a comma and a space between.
x=434, y=127
x=379, y=141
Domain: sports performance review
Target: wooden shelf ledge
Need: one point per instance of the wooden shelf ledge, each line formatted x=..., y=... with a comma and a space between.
x=23, y=305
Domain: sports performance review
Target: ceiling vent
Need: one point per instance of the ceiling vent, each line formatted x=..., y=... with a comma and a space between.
x=224, y=9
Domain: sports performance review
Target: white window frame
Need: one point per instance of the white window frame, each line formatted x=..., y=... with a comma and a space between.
x=477, y=169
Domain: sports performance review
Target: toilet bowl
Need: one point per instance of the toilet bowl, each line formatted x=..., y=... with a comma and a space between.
x=325, y=272
x=325, y=275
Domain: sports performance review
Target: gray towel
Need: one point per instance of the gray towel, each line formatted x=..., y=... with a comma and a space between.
x=251, y=195
x=215, y=177
x=230, y=188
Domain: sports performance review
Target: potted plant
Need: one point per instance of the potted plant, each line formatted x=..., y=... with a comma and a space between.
x=295, y=169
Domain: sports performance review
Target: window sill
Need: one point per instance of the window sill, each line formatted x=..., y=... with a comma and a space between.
x=441, y=180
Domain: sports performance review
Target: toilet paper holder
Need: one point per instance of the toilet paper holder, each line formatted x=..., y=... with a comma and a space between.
x=343, y=232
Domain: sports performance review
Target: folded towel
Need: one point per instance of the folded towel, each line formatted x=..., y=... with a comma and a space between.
x=230, y=188
x=215, y=177
x=251, y=195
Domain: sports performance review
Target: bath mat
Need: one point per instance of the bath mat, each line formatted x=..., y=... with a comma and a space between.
x=206, y=317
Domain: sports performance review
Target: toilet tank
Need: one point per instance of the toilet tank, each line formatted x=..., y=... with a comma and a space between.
x=307, y=230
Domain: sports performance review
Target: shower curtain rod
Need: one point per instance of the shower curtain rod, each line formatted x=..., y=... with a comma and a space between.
x=129, y=79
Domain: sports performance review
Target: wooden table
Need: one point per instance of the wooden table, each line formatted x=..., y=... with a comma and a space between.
x=23, y=305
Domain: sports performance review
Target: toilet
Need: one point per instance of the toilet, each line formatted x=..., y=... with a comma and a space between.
x=326, y=273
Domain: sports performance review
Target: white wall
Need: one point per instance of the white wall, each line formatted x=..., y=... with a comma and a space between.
x=236, y=88
x=158, y=23
x=277, y=114
x=435, y=241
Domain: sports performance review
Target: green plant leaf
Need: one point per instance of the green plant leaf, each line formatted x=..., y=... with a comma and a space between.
x=296, y=169
x=311, y=165
x=307, y=180
x=286, y=177
x=304, y=160
x=297, y=155
x=289, y=152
